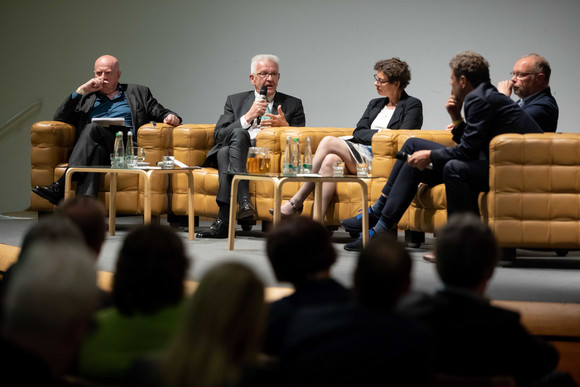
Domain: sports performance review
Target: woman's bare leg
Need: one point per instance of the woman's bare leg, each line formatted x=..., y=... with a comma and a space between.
x=329, y=150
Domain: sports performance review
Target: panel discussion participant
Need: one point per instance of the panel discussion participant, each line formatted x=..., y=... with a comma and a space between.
x=396, y=110
x=463, y=168
x=236, y=130
x=531, y=82
x=102, y=97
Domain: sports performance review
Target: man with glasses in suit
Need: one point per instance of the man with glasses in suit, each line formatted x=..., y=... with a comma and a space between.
x=530, y=80
x=236, y=130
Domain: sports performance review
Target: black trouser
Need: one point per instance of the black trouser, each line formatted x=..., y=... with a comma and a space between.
x=231, y=157
x=93, y=148
x=463, y=182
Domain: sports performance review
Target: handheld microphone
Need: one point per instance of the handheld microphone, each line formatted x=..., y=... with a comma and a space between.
x=403, y=156
x=263, y=94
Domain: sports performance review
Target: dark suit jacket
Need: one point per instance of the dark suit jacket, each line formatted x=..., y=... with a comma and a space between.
x=472, y=337
x=408, y=114
x=543, y=108
x=310, y=293
x=349, y=345
x=238, y=104
x=488, y=113
x=144, y=108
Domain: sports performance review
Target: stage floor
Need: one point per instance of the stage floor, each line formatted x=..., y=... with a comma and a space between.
x=535, y=276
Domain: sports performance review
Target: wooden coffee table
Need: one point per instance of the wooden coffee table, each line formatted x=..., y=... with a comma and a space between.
x=146, y=173
x=279, y=180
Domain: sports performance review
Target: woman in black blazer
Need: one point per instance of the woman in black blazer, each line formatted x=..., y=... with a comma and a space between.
x=397, y=110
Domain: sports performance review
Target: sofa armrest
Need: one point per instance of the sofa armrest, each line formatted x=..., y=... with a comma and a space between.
x=157, y=139
x=52, y=142
x=192, y=142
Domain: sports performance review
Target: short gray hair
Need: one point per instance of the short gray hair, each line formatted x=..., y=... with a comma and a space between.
x=53, y=287
x=262, y=58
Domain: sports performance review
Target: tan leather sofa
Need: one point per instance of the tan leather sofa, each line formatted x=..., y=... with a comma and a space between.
x=52, y=142
x=192, y=142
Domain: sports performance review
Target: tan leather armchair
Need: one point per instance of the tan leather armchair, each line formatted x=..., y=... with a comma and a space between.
x=52, y=142
x=534, y=197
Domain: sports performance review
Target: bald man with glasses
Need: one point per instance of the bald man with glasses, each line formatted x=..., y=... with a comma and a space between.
x=530, y=80
x=245, y=114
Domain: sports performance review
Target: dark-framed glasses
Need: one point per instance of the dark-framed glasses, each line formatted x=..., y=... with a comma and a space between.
x=381, y=81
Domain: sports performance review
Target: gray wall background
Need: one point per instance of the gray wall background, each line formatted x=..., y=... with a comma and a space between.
x=194, y=53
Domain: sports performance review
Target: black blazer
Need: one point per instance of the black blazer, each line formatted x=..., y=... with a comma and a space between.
x=144, y=108
x=408, y=114
x=238, y=104
x=473, y=337
x=543, y=108
x=488, y=113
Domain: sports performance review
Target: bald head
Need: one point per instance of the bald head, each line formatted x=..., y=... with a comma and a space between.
x=107, y=68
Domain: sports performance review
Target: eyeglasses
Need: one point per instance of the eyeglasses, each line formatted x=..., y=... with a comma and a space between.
x=266, y=75
x=381, y=81
x=521, y=75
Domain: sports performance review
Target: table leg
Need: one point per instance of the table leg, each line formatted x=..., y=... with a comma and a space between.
x=365, y=213
x=191, y=215
x=277, y=200
x=67, y=184
x=112, y=202
x=233, y=202
x=147, y=198
x=318, y=216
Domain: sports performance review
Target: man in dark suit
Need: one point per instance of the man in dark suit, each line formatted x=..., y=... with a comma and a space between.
x=463, y=168
x=243, y=117
x=531, y=82
x=362, y=343
x=472, y=337
x=103, y=97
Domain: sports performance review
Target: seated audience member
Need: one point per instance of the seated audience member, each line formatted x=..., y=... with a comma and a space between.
x=531, y=82
x=472, y=337
x=102, y=97
x=395, y=110
x=49, y=307
x=88, y=214
x=48, y=229
x=464, y=168
x=220, y=336
x=147, y=293
x=300, y=252
x=362, y=343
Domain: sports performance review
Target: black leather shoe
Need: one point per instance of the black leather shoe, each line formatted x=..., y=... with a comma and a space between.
x=217, y=230
x=246, y=208
x=54, y=193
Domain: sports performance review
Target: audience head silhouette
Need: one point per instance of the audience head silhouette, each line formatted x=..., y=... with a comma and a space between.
x=151, y=268
x=88, y=214
x=51, y=300
x=300, y=249
x=221, y=329
x=383, y=273
x=466, y=252
x=50, y=229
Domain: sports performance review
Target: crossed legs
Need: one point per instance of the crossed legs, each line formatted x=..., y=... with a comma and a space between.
x=329, y=150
